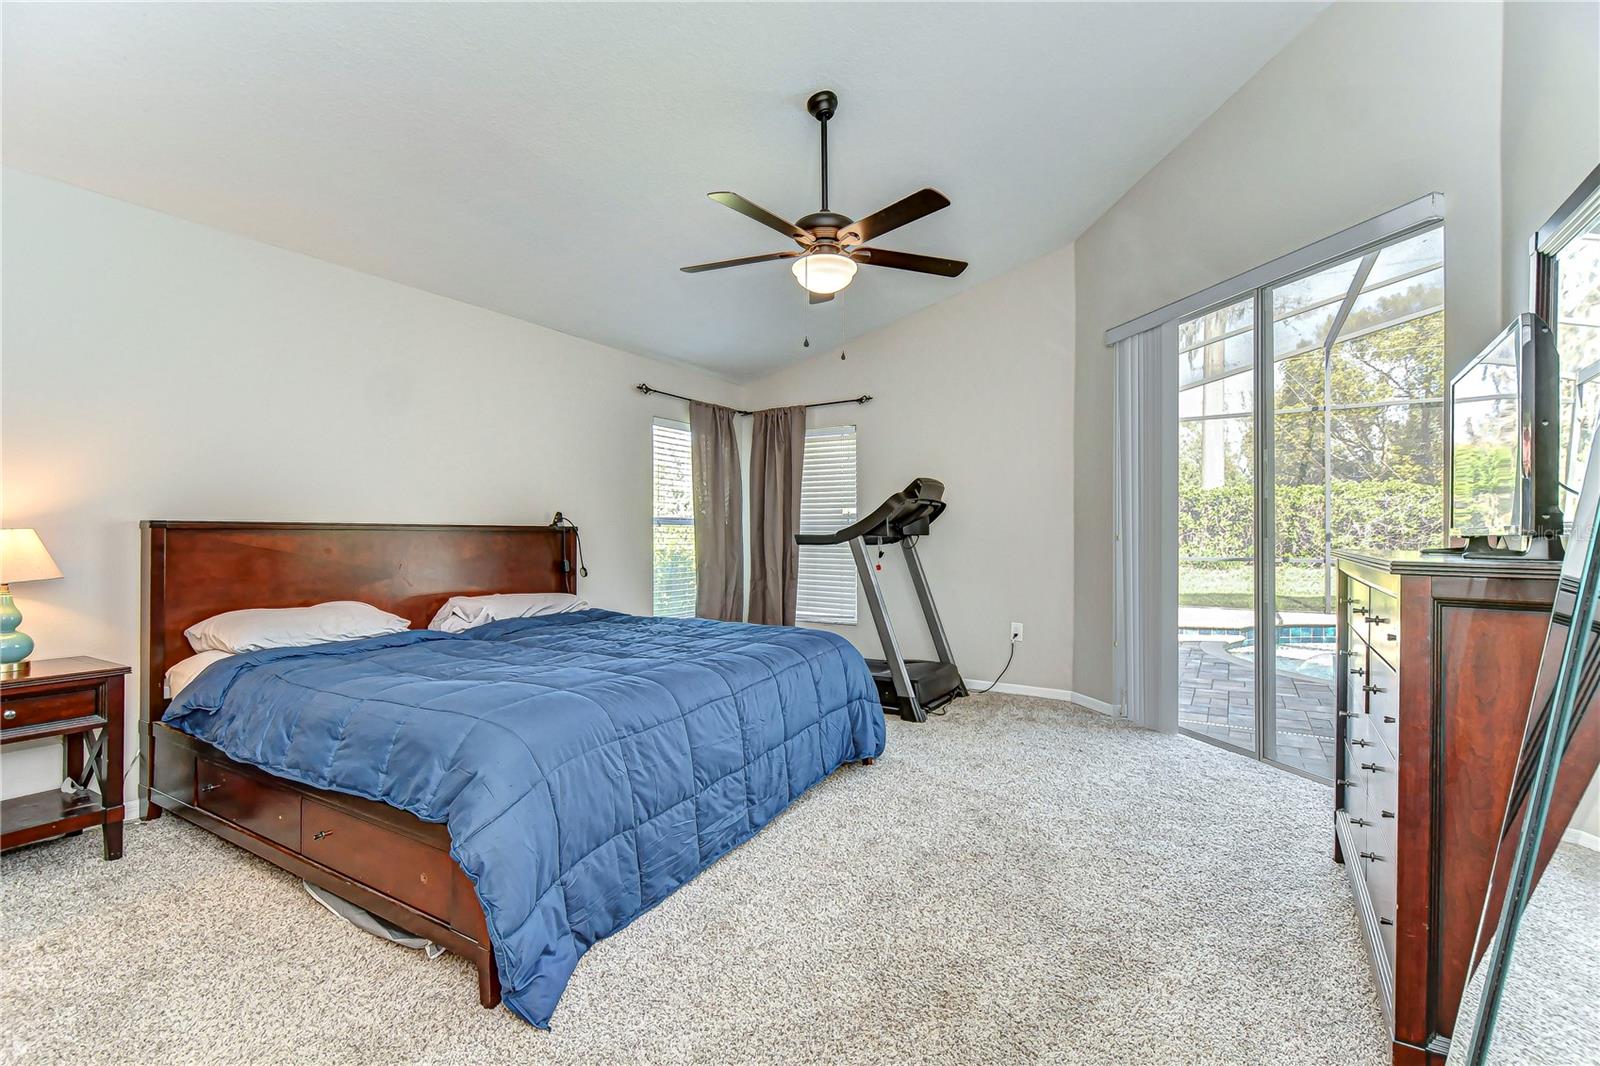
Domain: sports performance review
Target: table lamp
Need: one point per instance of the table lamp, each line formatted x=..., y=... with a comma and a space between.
x=22, y=558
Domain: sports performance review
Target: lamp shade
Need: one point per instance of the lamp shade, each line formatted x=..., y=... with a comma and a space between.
x=23, y=558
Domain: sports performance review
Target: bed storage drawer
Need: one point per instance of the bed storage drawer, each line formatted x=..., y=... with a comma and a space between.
x=408, y=870
x=264, y=809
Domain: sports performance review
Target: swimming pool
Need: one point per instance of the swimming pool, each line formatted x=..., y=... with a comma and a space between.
x=1313, y=661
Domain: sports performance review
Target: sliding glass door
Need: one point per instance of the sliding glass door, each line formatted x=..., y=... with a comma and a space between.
x=1345, y=448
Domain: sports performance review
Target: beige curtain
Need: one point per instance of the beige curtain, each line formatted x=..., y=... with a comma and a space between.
x=718, y=513
x=777, y=456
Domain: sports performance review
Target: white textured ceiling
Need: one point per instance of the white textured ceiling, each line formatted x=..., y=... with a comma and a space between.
x=551, y=161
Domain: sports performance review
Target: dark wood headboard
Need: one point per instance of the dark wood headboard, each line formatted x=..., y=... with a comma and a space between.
x=193, y=570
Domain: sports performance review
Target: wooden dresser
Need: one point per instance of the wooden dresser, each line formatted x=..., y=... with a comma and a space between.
x=1440, y=656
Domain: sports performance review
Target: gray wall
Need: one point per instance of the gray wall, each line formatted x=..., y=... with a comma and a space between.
x=1372, y=106
x=976, y=391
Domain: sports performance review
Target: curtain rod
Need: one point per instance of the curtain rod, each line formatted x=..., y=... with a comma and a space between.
x=648, y=391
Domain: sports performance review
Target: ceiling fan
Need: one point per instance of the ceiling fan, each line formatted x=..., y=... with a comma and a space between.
x=831, y=244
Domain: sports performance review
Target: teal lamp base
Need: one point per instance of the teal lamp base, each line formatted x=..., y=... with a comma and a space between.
x=15, y=647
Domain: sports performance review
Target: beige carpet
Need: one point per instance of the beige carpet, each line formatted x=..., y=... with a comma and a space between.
x=1015, y=881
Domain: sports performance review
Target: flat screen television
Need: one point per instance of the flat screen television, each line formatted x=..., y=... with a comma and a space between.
x=1505, y=441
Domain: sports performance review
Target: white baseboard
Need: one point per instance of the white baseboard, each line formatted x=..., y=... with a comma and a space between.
x=1088, y=703
x=1581, y=838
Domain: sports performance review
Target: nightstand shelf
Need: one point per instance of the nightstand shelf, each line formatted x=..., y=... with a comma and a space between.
x=49, y=814
x=73, y=699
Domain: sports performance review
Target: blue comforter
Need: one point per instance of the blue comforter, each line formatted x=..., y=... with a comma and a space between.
x=586, y=764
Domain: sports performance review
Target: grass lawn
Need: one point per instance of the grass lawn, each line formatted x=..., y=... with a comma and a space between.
x=1233, y=585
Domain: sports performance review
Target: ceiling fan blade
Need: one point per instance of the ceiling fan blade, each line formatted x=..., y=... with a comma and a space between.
x=821, y=297
x=922, y=264
x=698, y=267
x=894, y=216
x=761, y=215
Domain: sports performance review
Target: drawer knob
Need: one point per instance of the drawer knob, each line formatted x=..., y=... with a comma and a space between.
x=1371, y=856
x=321, y=834
x=1373, y=768
x=10, y=713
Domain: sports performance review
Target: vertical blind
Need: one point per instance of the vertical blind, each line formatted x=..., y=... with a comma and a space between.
x=827, y=589
x=672, y=520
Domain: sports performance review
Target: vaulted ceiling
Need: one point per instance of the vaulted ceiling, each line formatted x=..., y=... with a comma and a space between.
x=550, y=161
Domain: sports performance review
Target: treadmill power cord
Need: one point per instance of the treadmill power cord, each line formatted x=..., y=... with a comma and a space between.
x=1003, y=669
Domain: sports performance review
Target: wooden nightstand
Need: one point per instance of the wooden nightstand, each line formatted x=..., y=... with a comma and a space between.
x=72, y=699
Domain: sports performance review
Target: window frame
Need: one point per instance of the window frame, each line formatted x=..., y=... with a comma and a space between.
x=658, y=520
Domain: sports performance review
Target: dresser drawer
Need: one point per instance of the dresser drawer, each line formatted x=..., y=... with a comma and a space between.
x=1383, y=704
x=1356, y=607
x=267, y=810
x=1383, y=625
x=406, y=869
x=19, y=711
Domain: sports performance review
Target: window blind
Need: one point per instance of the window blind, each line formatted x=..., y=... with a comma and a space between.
x=672, y=533
x=827, y=587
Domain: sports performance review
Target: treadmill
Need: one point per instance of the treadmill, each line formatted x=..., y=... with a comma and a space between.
x=916, y=686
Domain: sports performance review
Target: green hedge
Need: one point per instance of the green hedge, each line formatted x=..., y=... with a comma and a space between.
x=1370, y=514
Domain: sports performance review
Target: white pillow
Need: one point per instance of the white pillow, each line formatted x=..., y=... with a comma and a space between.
x=464, y=612
x=179, y=676
x=292, y=627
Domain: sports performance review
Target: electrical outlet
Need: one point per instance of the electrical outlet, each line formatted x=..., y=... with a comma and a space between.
x=1016, y=632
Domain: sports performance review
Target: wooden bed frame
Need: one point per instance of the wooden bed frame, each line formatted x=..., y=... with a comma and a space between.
x=374, y=855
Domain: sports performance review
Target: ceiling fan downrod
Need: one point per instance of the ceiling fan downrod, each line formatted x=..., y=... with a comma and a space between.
x=822, y=105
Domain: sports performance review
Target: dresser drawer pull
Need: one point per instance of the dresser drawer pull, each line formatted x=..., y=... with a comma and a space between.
x=1389, y=719
x=1372, y=688
x=321, y=834
x=1392, y=636
x=1385, y=921
x=1372, y=856
x=211, y=787
x=10, y=714
x=1386, y=814
x=1373, y=768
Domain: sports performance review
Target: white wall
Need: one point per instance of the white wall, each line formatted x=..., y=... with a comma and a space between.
x=1550, y=139
x=976, y=391
x=155, y=368
x=1372, y=106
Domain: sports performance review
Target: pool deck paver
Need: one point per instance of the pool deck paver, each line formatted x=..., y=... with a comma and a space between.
x=1216, y=697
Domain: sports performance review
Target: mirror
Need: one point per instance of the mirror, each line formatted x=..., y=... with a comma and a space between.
x=1534, y=994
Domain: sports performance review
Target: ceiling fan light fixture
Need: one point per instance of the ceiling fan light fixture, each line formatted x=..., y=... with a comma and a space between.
x=824, y=273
